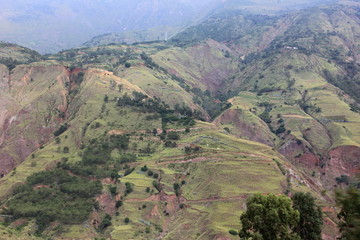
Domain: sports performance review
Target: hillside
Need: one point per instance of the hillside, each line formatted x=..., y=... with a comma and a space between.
x=161, y=33
x=51, y=26
x=12, y=54
x=167, y=140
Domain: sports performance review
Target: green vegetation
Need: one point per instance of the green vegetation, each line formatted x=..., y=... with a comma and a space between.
x=96, y=159
x=160, y=109
x=53, y=196
x=106, y=222
x=61, y=129
x=311, y=221
x=343, y=179
x=12, y=55
x=269, y=217
x=227, y=26
x=349, y=216
x=279, y=217
x=274, y=104
x=213, y=106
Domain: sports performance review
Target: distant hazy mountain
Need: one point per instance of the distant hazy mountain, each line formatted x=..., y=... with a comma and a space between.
x=52, y=25
x=152, y=34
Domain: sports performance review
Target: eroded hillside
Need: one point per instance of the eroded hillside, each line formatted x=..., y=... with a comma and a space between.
x=168, y=140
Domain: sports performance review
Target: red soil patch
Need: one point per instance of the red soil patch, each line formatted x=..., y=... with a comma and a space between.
x=155, y=212
x=308, y=159
x=116, y=132
x=41, y=186
x=107, y=203
x=344, y=160
x=107, y=181
x=18, y=223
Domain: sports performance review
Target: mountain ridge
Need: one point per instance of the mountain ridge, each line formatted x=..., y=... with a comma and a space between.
x=215, y=119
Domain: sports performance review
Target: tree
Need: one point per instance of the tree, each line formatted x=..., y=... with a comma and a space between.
x=105, y=222
x=309, y=226
x=349, y=216
x=120, y=87
x=269, y=217
x=118, y=203
x=173, y=136
x=66, y=150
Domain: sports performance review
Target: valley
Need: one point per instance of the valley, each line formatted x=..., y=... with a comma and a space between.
x=168, y=140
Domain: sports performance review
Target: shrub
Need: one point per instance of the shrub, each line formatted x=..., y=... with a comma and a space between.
x=342, y=179
x=281, y=129
x=129, y=188
x=66, y=149
x=173, y=136
x=112, y=190
x=233, y=232
x=176, y=186
x=170, y=144
x=61, y=129
x=118, y=203
x=127, y=158
x=106, y=222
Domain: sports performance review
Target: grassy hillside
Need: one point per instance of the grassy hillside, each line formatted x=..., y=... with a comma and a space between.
x=172, y=138
x=12, y=54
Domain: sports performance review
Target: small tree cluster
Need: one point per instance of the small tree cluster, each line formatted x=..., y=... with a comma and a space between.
x=349, y=216
x=270, y=217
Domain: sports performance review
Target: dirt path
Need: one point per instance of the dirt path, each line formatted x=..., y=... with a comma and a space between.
x=159, y=130
x=166, y=160
x=156, y=198
x=295, y=116
x=215, y=198
x=193, y=160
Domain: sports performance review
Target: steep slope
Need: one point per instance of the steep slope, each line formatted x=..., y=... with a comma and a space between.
x=27, y=123
x=88, y=116
x=295, y=68
x=179, y=135
x=215, y=170
x=302, y=101
x=207, y=65
x=244, y=32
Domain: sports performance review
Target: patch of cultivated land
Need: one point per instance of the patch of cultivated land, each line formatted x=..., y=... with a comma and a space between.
x=217, y=179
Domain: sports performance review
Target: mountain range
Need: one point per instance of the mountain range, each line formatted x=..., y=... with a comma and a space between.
x=49, y=26
x=167, y=139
